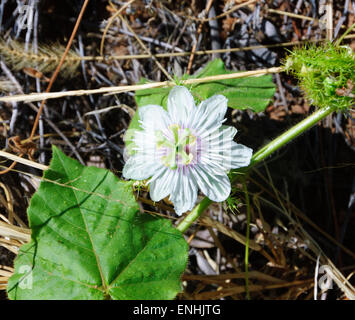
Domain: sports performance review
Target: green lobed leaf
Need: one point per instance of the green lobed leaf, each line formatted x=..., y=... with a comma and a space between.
x=254, y=93
x=89, y=241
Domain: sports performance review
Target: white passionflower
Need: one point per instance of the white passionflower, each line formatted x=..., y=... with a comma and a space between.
x=185, y=149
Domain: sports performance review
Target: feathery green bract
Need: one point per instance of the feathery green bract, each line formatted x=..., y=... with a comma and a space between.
x=90, y=241
x=326, y=74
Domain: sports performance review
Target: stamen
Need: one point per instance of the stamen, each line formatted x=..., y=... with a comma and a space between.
x=177, y=152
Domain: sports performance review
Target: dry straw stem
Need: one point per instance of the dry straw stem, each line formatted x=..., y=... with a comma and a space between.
x=5, y=273
x=4, y=276
x=269, y=10
x=110, y=21
x=49, y=56
x=297, y=16
x=231, y=10
x=120, y=89
x=296, y=212
x=332, y=271
x=46, y=60
x=11, y=242
x=229, y=276
x=292, y=15
x=141, y=43
x=14, y=232
x=7, y=202
x=329, y=15
x=199, y=30
x=338, y=278
x=204, y=52
x=59, y=66
x=226, y=292
x=6, y=268
x=229, y=232
x=26, y=162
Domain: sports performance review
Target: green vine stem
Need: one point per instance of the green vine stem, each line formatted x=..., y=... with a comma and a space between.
x=290, y=134
x=260, y=155
x=246, y=258
x=194, y=214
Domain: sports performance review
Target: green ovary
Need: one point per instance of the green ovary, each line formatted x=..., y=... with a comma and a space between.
x=178, y=151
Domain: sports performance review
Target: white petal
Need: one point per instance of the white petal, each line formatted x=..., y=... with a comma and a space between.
x=154, y=117
x=223, y=135
x=181, y=105
x=241, y=155
x=215, y=163
x=229, y=155
x=184, y=193
x=215, y=187
x=219, y=150
x=140, y=167
x=210, y=113
x=144, y=141
x=161, y=184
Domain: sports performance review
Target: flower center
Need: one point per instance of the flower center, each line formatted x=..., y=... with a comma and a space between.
x=179, y=151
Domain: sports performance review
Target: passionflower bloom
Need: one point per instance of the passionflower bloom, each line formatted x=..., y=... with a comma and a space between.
x=185, y=149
